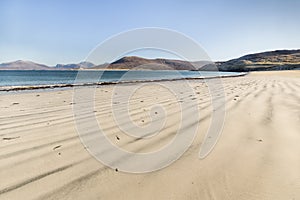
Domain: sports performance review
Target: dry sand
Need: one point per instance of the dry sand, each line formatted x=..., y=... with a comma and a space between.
x=256, y=157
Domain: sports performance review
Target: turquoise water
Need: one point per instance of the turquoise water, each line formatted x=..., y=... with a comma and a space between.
x=35, y=78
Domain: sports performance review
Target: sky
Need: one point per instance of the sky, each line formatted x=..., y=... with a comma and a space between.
x=62, y=31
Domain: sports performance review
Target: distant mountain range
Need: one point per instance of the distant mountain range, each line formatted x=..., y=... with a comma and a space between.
x=271, y=60
x=80, y=65
x=22, y=65
x=28, y=65
x=138, y=63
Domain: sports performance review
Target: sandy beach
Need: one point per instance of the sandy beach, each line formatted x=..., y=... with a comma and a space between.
x=256, y=157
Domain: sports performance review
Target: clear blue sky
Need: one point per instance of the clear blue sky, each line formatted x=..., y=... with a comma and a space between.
x=61, y=31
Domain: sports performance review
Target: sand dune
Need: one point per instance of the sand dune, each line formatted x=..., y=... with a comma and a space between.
x=256, y=157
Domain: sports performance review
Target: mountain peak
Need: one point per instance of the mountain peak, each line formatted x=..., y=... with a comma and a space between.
x=83, y=64
x=134, y=62
x=22, y=65
x=129, y=59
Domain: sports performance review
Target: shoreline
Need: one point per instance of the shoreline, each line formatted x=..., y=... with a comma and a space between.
x=69, y=86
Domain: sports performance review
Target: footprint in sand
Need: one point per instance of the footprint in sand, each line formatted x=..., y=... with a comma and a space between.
x=56, y=147
x=10, y=138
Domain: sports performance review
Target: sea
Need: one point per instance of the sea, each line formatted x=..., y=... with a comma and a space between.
x=36, y=78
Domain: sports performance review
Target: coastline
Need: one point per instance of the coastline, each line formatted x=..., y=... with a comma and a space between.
x=256, y=156
x=70, y=85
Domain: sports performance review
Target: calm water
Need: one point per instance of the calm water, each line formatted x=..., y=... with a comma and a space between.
x=24, y=78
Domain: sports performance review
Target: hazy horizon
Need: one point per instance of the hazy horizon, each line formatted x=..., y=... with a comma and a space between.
x=131, y=55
